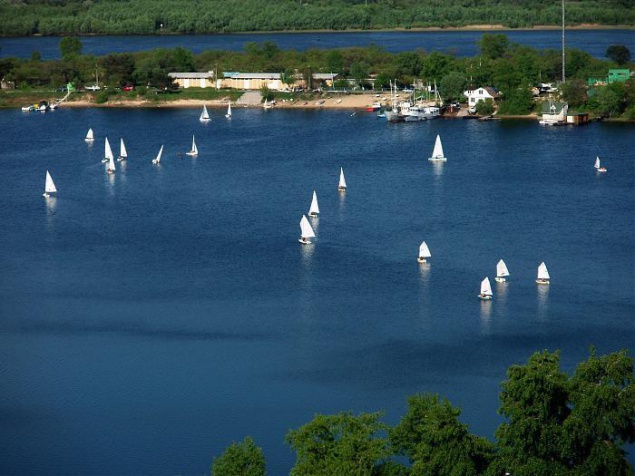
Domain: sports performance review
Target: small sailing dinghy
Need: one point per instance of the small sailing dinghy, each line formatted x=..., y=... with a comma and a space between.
x=598, y=166
x=107, y=152
x=267, y=104
x=157, y=161
x=342, y=185
x=229, y=111
x=543, y=274
x=123, y=153
x=306, y=231
x=90, y=136
x=204, y=115
x=437, y=152
x=49, y=186
x=424, y=252
x=194, y=151
x=314, y=210
x=501, y=272
x=486, y=290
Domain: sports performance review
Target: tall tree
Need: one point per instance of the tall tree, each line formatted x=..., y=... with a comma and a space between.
x=70, y=46
x=240, y=459
x=619, y=54
x=435, y=442
x=493, y=46
x=339, y=444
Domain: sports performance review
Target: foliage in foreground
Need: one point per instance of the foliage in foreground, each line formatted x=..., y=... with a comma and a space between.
x=555, y=425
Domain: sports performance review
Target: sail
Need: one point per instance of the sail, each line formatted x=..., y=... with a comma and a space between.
x=486, y=287
x=424, y=251
x=229, y=110
x=90, y=135
x=123, y=153
x=204, y=114
x=597, y=162
x=342, y=179
x=542, y=271
x=158, y=159
x=306, y=230
x=315, y=209
x=437, y=153
x=49, y=186
x=501, y=269
x=111, y=164
x=107, y=150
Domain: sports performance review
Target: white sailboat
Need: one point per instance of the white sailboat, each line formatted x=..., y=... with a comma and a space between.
x=229, y=111
x=157, y=161
x=90, y=136
x=194, y=151
x=501, y=272
x=110, y=168
x=49, y=186
x=437, y=152
x=123, y=153
x=598, y=166
x=543, y=274
x=107, y=152
x=424, y=252
x=314, y=210
x=486, y=290
x=306, y=231
x=342, y=185
x=267, y=104
x=204, y=115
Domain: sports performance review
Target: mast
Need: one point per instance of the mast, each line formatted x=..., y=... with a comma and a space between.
x=563, y=53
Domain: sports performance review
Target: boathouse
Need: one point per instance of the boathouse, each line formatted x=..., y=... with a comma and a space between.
x=193, y=80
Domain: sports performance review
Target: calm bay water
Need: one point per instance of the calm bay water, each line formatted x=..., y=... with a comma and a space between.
x=149, y=319
x=461, y=43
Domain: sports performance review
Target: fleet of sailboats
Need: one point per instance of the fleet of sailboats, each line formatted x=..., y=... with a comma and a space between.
x=342, y=184
x=543, y=274
x=424, y=252
x=157, y=160
x=314, y=210
x=194, y=150
x=437, y=152
x=90, y=136
x=501, y=272
x=598, y=165
x=123, y=153
x=486, y=290
x=306, y=231
x=49, y=186
x=204, y=117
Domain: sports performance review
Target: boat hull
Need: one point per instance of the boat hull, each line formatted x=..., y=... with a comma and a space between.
x=422, y=260
x=484, y=297
x=500, y=280
x=542, y=281
x=305, y=241
x=437, y=159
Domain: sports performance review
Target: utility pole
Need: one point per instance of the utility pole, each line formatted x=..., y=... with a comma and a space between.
x=563, y=53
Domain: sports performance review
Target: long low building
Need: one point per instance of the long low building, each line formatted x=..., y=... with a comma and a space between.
x=248, y=81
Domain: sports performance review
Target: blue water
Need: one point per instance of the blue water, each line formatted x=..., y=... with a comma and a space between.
x=149, y=319
x=460, y=43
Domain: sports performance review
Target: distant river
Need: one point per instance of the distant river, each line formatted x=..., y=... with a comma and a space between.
x=461, y=43
x=150, y=318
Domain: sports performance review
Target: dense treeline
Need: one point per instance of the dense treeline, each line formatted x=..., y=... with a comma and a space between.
x=145, y=17
x=511, y=68
x=556, y=425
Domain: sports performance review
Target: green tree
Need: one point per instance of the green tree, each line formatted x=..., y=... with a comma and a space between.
x=493, y=46
x=240, y=459
x=452, y=85
x=574, y=92
x=70, y=46
x=608, y=100
x=339, y=444
x=435, y=442
x=485, y=108
x=619, y=54
x=517, y=102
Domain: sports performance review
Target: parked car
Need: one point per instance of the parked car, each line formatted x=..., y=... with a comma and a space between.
x=128, y=87
x=94, y=87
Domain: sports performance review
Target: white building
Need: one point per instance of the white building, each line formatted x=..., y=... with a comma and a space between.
x=481, y=94
x=193, y=80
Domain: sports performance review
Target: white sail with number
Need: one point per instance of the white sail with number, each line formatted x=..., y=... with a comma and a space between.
x=437, y=152
x=306, y=230
x=342, y=184
x=486, y=289
x=49, y=185
x=424, y=252
x=204, y=117
x=314, y=210
x=90, y=136
x=194, y=151
x=123, y=153
x=543, y=274
x=501, y=271
x=107, y=152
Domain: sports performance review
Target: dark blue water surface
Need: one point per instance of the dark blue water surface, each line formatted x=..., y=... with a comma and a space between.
x=460, y=43
x=149, y=319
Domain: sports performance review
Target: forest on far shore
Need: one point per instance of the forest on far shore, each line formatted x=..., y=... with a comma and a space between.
x=145, y=17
